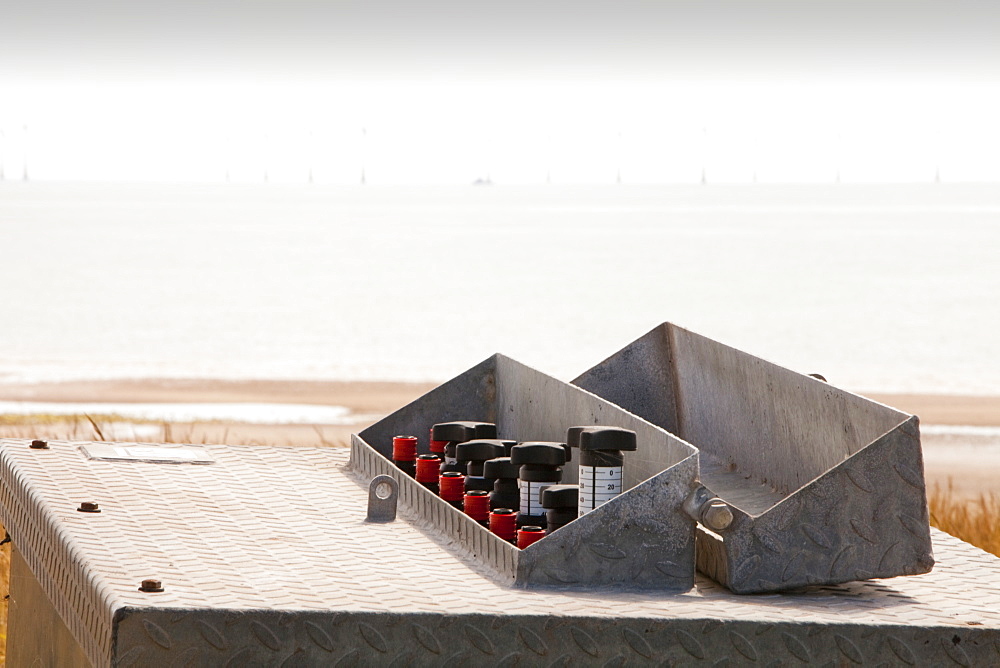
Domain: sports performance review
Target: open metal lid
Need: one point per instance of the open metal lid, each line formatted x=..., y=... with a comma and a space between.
x=825, y=486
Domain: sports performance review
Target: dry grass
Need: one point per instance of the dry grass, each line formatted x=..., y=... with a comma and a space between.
x=976, y=521
x=5, y=589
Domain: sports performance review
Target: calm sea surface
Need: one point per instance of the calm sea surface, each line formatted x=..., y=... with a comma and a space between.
x=892, y=288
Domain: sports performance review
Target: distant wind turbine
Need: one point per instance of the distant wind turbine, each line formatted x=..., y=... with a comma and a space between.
x=704, y=156
x=364, y=144
x=267, y=146
x=24, y=173
x=839, y=150
x=228, y=157
x=311, y=154
x=619, y=158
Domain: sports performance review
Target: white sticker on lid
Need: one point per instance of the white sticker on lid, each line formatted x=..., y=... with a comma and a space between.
x=167, y=454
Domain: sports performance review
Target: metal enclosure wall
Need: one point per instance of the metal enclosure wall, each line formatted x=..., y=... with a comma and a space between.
x=826, y=486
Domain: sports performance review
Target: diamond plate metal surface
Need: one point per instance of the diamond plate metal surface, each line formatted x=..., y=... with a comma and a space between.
x=825, y=486
x=838, y=528
x=265, y=559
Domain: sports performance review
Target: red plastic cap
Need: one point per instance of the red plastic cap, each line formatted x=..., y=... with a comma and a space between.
x=452, y=486
x=503, y=522
x=477, y=505
x=428, y=468
x=404, y=448
x=528, y=535
x=437, y=447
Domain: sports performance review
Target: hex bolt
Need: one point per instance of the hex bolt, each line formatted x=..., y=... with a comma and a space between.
x=703, y=506
x=716, y=515
x=151, y=586
x=89, y=507
x=39, y=444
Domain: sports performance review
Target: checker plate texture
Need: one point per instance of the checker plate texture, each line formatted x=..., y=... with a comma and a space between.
x=825, y=486
x=843, y=526
x=266, y=560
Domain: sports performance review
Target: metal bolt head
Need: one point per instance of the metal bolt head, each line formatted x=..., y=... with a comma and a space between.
x=716, y=515
x=151, y=585
x=39, y=444
x=89, y=507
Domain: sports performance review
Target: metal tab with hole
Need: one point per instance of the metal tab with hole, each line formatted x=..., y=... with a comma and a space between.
x=383, y=492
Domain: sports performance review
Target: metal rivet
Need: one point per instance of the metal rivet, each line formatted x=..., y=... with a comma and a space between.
x=89, y=507
x=39, y=444
x=151, y=586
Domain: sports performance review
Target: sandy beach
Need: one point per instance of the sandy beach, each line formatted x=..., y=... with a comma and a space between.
x=968, y=459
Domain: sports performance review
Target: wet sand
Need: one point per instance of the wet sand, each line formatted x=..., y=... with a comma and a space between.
x=968, y=461
x=359, y=396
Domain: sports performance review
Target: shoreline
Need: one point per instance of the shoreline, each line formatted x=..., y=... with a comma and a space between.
x=357, y=396
x=386, y=396
x=969, y=462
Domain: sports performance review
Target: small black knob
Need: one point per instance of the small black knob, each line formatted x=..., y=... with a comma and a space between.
x=605, y=438
x=539, y=453
x=459, y=432
x=501, y=467
x=478, y=482
x=476, y=452
x=560, y=496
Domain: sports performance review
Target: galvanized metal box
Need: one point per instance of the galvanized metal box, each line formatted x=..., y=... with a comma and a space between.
x=641, y=540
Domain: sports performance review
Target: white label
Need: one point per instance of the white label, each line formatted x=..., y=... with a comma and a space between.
x=529, y=496
x=451, y=460
x=152, y=452
x=147, y=453
x=598, y=485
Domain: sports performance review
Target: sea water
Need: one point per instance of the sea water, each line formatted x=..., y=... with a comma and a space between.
x=879, y=288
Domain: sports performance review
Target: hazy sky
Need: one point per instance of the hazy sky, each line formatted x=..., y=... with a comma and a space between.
x=610, y=39
x=523, y=90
